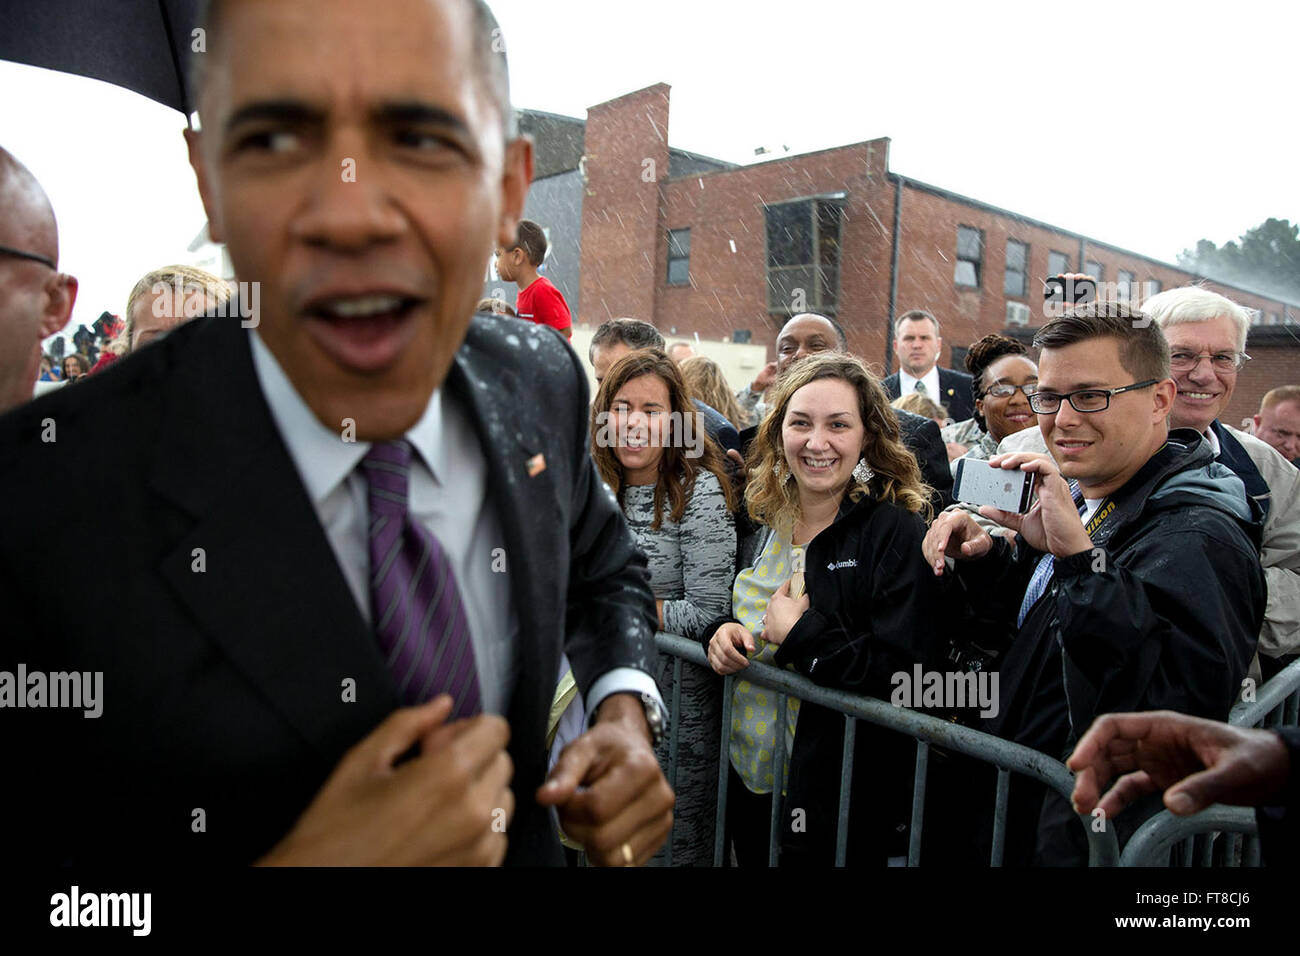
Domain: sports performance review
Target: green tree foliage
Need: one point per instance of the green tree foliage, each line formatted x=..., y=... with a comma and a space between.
x=1265, y=258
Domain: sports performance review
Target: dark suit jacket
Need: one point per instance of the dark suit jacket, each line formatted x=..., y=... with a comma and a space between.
x=954, y=385
x=224, y=684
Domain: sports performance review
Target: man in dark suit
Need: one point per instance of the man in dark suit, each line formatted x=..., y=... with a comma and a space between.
x=809, y=333
x=349, y=545
x=917, y=344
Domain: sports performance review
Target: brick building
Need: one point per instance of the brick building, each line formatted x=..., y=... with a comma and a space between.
x=696, y=245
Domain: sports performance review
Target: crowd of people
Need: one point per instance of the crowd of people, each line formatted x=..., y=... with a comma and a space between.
x=381, y=584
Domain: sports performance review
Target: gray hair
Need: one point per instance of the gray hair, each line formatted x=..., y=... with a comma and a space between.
x=634, y=333
x=1193, y=303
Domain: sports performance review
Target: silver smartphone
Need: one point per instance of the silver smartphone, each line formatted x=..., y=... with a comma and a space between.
x=979, y=483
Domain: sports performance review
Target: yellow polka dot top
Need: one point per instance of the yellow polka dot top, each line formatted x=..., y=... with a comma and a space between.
x=753, y=709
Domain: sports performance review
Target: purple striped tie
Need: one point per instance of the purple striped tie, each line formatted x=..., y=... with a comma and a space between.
x=415, y=604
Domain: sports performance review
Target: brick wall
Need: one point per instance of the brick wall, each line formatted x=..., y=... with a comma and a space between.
x=626, y=219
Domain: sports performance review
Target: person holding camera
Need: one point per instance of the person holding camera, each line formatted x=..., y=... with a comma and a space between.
x=1133, y=582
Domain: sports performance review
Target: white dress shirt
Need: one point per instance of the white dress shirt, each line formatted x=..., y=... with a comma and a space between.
x=451, y=502
x=907, y=384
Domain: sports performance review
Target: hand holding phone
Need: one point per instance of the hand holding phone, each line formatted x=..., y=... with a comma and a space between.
x=979, y=483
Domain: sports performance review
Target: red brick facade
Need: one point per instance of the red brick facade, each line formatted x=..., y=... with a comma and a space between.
x=631, y=203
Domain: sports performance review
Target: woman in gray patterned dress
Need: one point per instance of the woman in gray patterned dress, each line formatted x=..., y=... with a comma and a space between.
x=651, y=448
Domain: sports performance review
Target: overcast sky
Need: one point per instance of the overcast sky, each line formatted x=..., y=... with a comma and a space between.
x=1146, y=125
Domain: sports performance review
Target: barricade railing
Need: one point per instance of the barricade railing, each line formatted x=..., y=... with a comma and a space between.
x=1221, y=835
x=927, y=730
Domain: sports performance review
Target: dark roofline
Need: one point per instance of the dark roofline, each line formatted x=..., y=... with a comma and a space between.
x=738, y=167
x=1257, y=336
x=707, y=159
x=556, y=116
x=989, y=207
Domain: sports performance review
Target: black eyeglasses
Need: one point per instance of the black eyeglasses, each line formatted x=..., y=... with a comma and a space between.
x=19, y=254
x=1084, y=400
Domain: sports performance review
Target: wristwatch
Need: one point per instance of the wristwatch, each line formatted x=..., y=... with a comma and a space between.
x=656, y=716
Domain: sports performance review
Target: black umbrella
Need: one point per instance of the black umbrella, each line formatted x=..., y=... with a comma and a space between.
x=143, y=45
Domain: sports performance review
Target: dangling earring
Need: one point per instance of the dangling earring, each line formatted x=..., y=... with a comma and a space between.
x=782, y=475
x=862, y=471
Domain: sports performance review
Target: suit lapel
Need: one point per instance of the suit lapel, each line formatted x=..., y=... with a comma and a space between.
x=528, y=508
x=255, y=568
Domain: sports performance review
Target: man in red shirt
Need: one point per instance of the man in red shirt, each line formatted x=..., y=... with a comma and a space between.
x=538, y=301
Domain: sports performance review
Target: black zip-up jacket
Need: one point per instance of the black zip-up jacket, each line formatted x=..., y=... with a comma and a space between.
x=873, y=611
x=1163, y=613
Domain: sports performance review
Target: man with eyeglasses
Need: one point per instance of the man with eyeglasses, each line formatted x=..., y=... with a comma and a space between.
x=1206, y=333
x=1133, y=582
x=35, y=297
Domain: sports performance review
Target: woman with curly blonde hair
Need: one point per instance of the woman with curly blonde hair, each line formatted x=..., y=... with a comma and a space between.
x=836, y=587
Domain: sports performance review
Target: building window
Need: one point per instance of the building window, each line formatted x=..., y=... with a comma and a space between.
x=1093, y=269
x=1057, y=263
x=1149, y=288
x=1272, y=318
x=970, y=256
x=1013, y=282
x=1124, y=286
x=803, y=256
x=679, y=257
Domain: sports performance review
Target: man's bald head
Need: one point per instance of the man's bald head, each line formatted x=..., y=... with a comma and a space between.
x=27, y=221
x=807, y=334
x=35, y=298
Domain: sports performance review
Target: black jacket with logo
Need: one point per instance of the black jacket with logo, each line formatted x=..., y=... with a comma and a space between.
x=1163, y=613
x=873, y=611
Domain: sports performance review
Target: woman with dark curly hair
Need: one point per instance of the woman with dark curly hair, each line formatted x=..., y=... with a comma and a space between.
x=835, y=586
x=1002, y=379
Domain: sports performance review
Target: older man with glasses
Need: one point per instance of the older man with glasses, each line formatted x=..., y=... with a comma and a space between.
x=35, y=297
x=1133, y=583
x=1206, y=333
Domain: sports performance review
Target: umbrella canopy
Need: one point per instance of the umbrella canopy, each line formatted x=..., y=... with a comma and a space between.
x=143, y=45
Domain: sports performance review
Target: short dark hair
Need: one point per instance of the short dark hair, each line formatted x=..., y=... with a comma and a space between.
x=531, y=238
x=633, y=333
x=916, y=315
x=489, y=56
x=839, y=329
x=1143, y=350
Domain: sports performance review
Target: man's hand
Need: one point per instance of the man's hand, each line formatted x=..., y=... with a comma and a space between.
x=956, y=450
x=1052, y=524
x=765, y=378
x=1201, y=762
x=725, y=648
x=783, y=612
x=447, y=806
x=612, y=796
x=954, y=534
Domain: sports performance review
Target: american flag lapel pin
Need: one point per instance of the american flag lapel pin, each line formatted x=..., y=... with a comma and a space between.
x=536, y=465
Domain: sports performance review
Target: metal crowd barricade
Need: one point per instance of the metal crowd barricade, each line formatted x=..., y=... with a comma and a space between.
x=1008, y=757
x=1221, y=835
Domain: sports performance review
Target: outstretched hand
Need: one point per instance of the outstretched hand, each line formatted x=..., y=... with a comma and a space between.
x=1195, y=762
